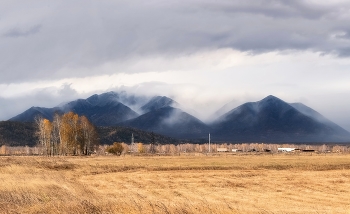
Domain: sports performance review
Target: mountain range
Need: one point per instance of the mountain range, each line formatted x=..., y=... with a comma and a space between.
x=268, y=120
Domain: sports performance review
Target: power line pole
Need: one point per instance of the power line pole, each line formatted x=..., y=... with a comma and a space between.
x=209, y=142
x=132, y=143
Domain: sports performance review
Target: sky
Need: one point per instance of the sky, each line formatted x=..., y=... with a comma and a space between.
x=201, y=53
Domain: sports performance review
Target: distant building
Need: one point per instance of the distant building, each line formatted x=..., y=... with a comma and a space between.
x=286, y=149
x=222, y=150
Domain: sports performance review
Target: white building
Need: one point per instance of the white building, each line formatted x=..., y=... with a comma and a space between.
x=222, y=150
x=285, y=149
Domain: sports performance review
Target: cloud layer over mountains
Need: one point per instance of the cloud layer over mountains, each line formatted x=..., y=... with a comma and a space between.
x=206, y=52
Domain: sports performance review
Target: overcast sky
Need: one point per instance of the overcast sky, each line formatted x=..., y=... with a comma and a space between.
x=202, y=53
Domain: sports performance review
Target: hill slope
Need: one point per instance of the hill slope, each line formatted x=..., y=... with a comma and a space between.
x=17, y=134
x=108, y=135
x=30, y=114
x=318, y=117
x=14, y=133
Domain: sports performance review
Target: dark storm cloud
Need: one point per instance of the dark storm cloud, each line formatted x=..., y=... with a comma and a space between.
x=19, y=33
x=271, y=8
x=52, y=40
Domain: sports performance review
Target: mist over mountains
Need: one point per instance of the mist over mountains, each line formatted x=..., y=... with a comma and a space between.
x=171, y=122
x=268, y=120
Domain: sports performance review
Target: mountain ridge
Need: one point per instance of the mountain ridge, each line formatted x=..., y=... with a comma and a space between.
x=104, y=109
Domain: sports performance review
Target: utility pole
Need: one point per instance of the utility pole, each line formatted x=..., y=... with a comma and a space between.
x=209, y=142
x=132, y=143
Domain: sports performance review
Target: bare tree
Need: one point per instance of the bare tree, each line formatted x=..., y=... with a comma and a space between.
x=152, y=148
x=89, y=136
x=44, y=134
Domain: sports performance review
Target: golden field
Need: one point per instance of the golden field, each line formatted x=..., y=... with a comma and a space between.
x=196, y=183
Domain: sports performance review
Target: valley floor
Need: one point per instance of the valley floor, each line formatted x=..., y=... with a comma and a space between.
x=283, y=183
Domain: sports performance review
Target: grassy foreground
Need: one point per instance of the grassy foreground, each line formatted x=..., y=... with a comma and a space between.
x=281, y=183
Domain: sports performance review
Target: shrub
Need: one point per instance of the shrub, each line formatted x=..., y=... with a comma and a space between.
x=116, y=148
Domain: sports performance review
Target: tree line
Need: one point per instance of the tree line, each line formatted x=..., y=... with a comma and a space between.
x=139, y=148
x=67, y=134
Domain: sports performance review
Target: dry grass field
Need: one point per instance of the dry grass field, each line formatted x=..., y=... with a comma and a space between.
x=283, y=183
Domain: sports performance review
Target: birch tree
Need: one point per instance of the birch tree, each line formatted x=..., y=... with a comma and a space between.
x=89, y=136
x=68, y=134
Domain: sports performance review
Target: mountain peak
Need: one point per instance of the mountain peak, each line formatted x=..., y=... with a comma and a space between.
x=103, y=99
x=272, y=102
x=270, y=98
x=158, y=102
